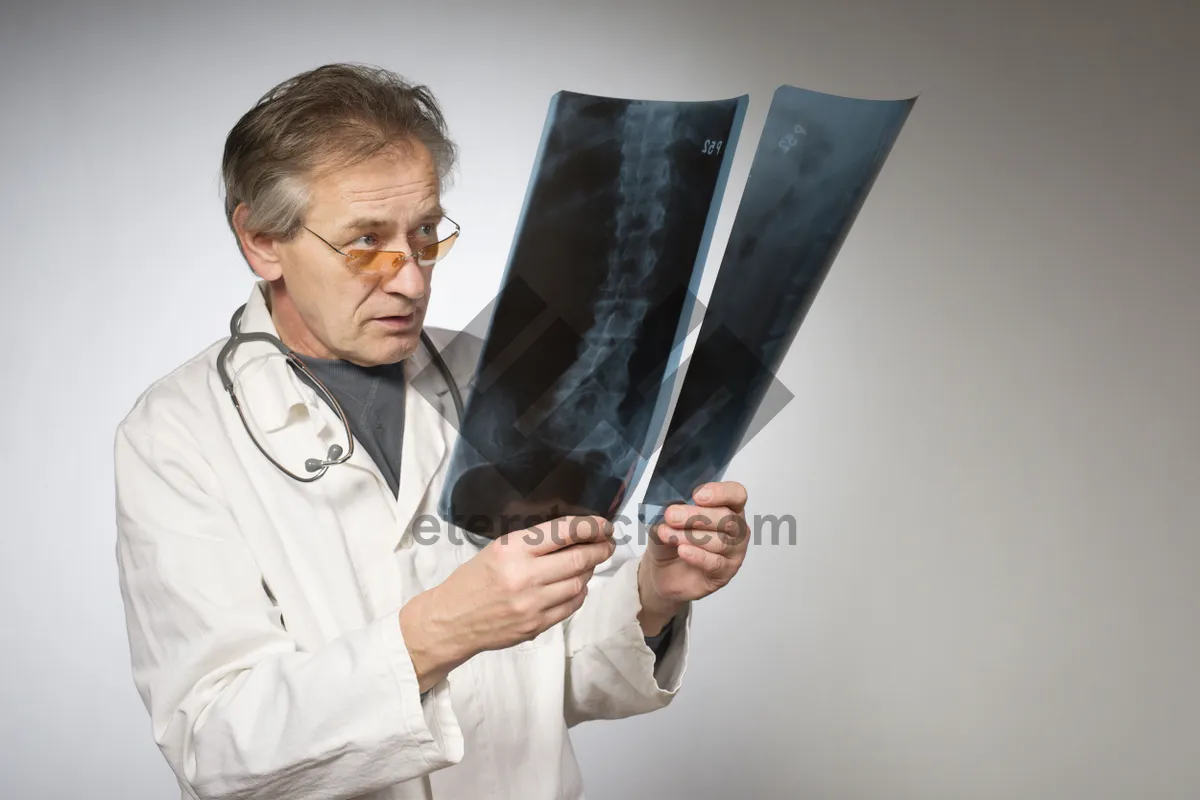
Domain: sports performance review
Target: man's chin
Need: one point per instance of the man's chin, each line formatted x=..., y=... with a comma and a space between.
x=398, y=347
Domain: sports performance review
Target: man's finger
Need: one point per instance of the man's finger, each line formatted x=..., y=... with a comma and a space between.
x=571, y=561
x=723, y=493
x=659, y=530
x=711, y=564
x=561, y=532
x=555, y=615
x=720, y=519
x=562, y=591
x=713, y=542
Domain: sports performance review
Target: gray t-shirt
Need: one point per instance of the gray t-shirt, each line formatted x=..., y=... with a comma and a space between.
x=373, y=400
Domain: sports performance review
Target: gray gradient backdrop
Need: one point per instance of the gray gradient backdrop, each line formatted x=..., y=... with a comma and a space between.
x=992, y=452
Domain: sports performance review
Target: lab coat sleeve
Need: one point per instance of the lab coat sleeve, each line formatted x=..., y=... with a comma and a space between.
x=611, y=672
x=237, y=708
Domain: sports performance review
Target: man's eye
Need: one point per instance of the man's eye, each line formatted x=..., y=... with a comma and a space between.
x=427, y=230
x=367, y=240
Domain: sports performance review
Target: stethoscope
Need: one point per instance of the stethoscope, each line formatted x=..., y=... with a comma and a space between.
x=314, y=467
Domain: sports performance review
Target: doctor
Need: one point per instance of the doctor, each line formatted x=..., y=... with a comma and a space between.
x=290, y=636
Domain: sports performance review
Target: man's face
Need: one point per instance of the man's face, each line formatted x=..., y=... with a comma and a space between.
x=322, y=306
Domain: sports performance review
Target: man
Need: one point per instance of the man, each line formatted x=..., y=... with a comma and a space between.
x=294, y=638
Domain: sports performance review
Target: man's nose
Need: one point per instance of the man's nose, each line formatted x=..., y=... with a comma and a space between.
x=406, y=279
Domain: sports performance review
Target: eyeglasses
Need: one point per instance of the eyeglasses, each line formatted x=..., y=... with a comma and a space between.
x=435, y=242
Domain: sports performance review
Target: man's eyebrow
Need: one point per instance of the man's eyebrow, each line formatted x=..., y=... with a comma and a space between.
x=368, y=223
x=364, y=223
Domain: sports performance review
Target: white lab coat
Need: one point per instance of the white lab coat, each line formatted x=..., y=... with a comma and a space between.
x=263, y=613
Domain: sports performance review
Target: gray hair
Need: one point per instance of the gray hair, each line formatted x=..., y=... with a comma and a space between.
x=329, y=117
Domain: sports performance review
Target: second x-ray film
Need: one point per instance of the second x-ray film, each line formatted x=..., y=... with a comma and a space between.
x=816, y=162
x=574, y=377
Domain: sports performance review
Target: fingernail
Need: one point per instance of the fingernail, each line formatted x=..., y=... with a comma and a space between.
x=704, y=494
x=677, y=515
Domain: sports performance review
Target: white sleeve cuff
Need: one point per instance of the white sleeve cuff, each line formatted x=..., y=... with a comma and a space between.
x=611, y=623
x=432, y=722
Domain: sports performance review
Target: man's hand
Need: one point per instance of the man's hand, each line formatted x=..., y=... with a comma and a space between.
x=695, y=551
x=518, y=586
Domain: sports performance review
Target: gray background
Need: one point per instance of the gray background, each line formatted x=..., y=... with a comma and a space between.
x=993, y=450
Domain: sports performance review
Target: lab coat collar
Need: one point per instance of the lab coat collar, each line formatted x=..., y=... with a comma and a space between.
x=426, y=429
x=279, y=392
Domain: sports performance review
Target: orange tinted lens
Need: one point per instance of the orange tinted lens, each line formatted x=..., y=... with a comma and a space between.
x=436, y=252
x=370, y=260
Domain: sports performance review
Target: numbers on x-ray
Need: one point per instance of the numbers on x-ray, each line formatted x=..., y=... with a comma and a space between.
x=711, y=147
x=792, y=139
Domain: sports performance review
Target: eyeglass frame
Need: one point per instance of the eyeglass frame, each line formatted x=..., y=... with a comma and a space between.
x=401, y=256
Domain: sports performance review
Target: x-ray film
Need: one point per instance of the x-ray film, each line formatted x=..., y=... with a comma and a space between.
x=575, y=374
x=816, y=162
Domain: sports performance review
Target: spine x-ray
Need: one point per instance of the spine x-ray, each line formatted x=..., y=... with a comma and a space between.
x=574, y=378
x=816, y=161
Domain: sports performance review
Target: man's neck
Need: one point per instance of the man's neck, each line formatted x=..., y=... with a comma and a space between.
x=289, y=325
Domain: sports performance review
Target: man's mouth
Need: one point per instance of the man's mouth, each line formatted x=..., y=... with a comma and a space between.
x=398, y=321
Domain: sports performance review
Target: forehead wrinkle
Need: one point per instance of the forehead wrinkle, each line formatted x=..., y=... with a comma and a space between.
x=394, y=175
x=430, y=205
x=383, y=193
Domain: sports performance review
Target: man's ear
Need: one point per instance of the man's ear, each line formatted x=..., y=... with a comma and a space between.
x=261, y=251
